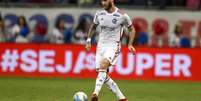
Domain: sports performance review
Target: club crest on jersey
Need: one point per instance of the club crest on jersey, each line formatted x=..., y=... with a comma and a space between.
x=114, y=21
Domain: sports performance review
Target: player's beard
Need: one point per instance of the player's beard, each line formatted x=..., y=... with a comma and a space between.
x=109, y=6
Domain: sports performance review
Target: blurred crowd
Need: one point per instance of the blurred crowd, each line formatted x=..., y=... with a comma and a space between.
x=21, y=32
x=162, y=4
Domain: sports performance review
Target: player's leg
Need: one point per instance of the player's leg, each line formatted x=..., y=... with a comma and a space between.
x=109, y=82
x=115, y=89
x=102, y=75
x=99, y=64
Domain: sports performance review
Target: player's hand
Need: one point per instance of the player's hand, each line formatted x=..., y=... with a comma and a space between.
x=88, y=46
x=131, y=48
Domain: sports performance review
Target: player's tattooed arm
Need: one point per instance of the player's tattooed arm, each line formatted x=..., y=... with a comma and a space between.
x=89, y=35
x=131, y=34
x=91, y=30
x=131, y=31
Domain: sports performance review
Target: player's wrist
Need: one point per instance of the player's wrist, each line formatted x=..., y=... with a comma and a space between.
x=88, y=40
x=130, y=44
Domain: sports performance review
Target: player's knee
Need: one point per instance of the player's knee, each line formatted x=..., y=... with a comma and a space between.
x=104, y=64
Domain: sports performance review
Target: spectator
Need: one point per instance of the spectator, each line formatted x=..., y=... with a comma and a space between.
x=178, y=39
x=21, y=31
x=185, y=42
x=68, y=33
x=2, y=30
x=160, y=33
x=61, y=33
x=175, y=38
x=143, y=38
x=40, y=32
x=141, y=33
x=80, y=34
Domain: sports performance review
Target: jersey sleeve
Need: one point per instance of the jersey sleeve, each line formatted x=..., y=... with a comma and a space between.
x=95, y=20
x=127, y=20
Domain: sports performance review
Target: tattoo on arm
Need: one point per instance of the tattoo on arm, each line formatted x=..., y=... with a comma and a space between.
x=131, y=35
x=91, y=30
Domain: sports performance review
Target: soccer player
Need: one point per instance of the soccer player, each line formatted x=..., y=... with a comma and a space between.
x=111, y=21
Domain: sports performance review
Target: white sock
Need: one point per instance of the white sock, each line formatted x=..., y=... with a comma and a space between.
x=100, y=81
x=114, y=88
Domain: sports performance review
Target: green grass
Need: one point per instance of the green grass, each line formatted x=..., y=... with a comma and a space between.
x=32, y=89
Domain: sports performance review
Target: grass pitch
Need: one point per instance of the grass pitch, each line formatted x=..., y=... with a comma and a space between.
x=34, y=89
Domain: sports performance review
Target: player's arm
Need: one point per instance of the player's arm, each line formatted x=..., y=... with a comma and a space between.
x=131, y=31
x=89, y=35
x=91, y=31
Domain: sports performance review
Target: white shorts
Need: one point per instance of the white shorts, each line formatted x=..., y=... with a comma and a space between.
x=110, y=52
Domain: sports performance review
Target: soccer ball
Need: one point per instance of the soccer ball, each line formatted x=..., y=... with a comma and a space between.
x=80, y=96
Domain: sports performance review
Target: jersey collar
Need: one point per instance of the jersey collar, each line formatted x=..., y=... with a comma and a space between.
x=116, y=9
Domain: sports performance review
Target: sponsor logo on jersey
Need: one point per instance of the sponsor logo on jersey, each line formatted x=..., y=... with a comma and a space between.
x=117, y=15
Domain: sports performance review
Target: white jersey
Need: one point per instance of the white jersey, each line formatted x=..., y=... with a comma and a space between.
x=111, y=29
x=111, y=25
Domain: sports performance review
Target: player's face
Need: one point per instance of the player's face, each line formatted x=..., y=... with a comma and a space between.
x=107, y=4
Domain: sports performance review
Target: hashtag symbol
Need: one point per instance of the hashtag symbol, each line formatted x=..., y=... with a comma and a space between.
x=9, y=60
